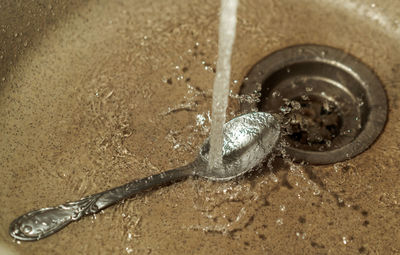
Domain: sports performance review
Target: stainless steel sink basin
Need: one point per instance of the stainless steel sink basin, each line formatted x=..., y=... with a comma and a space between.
x=96, y=93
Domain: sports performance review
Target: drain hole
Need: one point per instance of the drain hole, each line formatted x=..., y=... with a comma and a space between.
x=313, y=124
x=331, y=106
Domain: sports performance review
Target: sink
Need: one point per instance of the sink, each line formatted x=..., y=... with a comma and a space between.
x=94, y=94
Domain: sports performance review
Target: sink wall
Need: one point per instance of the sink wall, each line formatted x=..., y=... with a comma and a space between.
x=95, y=94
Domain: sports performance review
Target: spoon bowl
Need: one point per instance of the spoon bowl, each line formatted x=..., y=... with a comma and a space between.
x=248, y=139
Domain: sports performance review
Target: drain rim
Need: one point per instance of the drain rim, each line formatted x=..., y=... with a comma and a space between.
x=375, y=95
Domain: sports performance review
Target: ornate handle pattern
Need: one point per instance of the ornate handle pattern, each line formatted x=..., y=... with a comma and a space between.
x=41, y=223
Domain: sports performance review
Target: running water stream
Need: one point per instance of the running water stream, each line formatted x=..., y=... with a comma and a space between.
x=227, y=29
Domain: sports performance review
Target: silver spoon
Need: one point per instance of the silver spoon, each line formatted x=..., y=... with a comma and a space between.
x=248, y=139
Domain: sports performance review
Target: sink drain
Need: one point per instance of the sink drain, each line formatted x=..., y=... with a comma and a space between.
x=332, y=107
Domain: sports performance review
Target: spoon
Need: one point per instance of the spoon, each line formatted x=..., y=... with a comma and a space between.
x=248, y=139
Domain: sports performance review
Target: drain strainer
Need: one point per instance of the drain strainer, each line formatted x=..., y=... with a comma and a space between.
x=332, y=106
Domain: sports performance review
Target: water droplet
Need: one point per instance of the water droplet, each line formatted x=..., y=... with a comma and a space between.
x=360, y=102
x=200, y=119
x=285, y=109
x=295, y=105
x=305, y=97
x=26, y=229
x=328, y=143
x=276, y=93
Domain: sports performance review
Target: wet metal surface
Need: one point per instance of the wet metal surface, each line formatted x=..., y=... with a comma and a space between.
x=333, y=106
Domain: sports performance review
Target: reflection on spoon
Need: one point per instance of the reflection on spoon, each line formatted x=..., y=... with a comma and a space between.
x=248, y=139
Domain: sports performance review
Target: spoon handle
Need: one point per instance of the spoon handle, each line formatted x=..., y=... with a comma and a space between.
x=41, y=223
